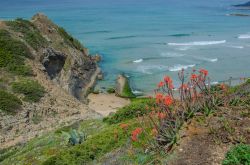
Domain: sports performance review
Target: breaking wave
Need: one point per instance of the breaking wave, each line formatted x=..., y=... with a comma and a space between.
x=198, y=43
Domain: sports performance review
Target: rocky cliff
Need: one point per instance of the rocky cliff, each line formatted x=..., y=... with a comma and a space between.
x=45, y=76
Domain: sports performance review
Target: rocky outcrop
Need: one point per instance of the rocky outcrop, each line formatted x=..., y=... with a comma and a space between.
x=62, y=66
x=123, y=88
x=66, y=61
x=53, y=61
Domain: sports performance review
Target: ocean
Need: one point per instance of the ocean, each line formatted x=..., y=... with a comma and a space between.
x=147, y=39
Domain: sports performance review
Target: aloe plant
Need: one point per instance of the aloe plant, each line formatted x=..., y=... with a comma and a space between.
x=74, y=137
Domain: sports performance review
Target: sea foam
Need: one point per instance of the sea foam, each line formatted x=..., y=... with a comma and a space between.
x=148, y=69
x=198, y=43
x=180, y=67
x=138, y=61
x=244, y=36
x=171, y=54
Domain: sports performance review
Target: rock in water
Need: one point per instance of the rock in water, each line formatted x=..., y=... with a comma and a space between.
x=123, y=88
x=245, y=5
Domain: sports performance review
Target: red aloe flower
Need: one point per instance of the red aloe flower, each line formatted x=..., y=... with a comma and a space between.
x=124, y=126
x=161, y=84
x=193, y=77
x=159, y=97
x=161, y=115
x=154, y=132
x=168, y=79
x=223, y=86
x=135, y=134
x=204, y=72
x=168, y=100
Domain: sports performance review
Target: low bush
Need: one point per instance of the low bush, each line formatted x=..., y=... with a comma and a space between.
x=32, y=90
x=107, y=140
x=238, y=155
x=111, y=90
x=138, y=107
x=69, y=39
x=9, y=103
x=13, y=54
x=30, y=33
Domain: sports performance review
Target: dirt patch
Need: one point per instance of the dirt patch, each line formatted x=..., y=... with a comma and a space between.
x=206, y=140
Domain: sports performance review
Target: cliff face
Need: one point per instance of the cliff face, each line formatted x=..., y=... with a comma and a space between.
x=65, y=60
x=47, y=74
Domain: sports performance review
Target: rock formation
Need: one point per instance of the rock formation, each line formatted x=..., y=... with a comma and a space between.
x=59, y=63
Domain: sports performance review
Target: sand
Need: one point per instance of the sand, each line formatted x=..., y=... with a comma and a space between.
x=106, y=103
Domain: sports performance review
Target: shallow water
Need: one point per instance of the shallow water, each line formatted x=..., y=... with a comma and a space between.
x=147, y=40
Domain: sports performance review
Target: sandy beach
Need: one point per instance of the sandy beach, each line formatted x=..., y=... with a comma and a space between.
x=106, y=103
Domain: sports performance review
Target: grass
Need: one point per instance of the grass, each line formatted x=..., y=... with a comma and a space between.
x=238, y=155
x=9, y=103
x=111, y=90
x=70, y=40
x=53, y=148
x=31, y=90
x=30, y=33
x=108, y=139
x=136, y=108
x=13, y=54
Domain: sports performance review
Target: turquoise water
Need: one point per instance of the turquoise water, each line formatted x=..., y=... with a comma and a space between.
x=147, y=40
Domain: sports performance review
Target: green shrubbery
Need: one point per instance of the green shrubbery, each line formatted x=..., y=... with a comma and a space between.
x=32, y=90
x=69, y=39
x=31, y=34
x=12, y=54
x=238, y=155
x=8, y=102
x=136, y=108
x=107, y=140
x=111, y=90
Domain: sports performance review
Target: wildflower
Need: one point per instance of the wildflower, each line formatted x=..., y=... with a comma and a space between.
x=161, y=84
x=193, y=77
x=168, y=100
x=154, y=132
x=159, y=97
x=168, y=79
x=171, y=86
x=223, y=86
x=204, y=72
x=135, y=134
x=124, y=126
x=161, y=115
x=146, y=108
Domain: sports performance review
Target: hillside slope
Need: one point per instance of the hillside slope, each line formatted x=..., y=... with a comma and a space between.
x=45, y=76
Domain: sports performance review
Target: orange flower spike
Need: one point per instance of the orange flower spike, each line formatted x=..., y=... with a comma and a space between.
x=193, y=77
x=161, y=84
x=124, y=126
x=135, y=134
x=161, y=115
x=171, y=86
x=154, y=132
x=168, y=100
x=167, y=79
x=204, y=72
x=223, y=86
x=159, y=97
